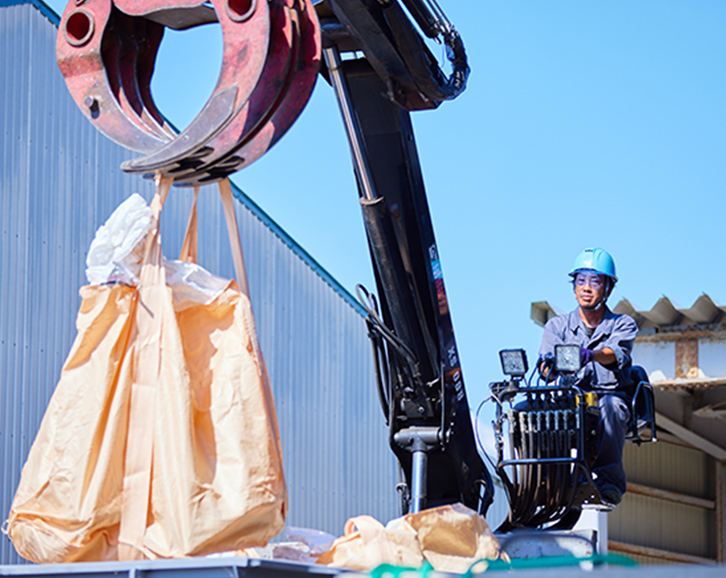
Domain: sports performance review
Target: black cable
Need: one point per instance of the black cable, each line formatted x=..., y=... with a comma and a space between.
x=476, y=430
x=377, y=324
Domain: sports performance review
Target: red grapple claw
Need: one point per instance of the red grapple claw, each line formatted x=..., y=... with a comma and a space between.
x=107, y=49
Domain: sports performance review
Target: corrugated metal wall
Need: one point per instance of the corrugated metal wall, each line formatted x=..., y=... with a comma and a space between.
x=667, y=527
x=59, y=180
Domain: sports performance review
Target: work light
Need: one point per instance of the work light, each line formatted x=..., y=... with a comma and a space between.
x=514, y=362
x=567, y=358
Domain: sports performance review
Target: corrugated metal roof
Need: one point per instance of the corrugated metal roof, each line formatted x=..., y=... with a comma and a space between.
x=665, y=316
x=662, y=316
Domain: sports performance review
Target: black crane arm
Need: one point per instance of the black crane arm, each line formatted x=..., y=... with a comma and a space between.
x=381, y=70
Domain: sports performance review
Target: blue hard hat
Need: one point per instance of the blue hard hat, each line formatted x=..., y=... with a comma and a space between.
x=597, y=260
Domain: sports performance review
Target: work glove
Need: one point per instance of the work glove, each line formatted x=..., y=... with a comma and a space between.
x=546, y=364
x=586, y=355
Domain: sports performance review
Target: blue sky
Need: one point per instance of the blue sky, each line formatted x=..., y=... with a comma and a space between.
x=599, y=123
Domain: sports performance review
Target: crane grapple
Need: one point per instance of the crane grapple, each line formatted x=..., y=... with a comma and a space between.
x=106, y=50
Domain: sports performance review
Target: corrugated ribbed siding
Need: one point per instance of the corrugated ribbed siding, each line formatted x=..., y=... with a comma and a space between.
x=652, y=522
x=59, y=180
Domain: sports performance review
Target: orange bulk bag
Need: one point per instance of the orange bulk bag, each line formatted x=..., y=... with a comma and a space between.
x=451, y=538
x=161, y=437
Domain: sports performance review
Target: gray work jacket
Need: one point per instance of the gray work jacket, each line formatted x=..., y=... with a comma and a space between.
x=615, y=331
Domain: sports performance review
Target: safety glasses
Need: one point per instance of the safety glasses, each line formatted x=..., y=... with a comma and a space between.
x=593, y=280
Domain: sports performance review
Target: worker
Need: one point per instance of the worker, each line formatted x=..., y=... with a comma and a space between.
x=605, y=340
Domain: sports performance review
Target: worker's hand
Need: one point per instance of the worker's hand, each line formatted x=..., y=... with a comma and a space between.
x=545, y=365
x=586, y=355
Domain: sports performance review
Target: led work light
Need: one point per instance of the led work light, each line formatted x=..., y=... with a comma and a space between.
x=514, y=362
x=567, y=358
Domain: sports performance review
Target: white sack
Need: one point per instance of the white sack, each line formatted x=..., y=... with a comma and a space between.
x=117, y=250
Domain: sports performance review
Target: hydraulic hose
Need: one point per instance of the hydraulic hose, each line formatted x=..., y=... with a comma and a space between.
x=427, y=74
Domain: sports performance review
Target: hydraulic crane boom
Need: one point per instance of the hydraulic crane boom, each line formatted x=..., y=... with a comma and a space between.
x=419, y=371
